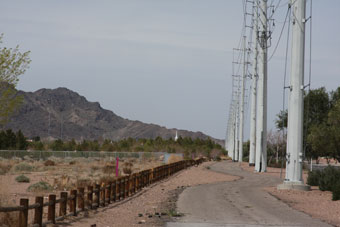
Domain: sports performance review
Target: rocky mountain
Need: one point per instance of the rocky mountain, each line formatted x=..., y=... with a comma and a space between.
x=62, y=113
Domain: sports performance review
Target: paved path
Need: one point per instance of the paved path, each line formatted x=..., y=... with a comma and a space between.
x=238, y=203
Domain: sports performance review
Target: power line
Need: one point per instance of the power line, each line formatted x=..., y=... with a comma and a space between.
x=283, y=26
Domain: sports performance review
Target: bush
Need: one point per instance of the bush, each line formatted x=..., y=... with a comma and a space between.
x=217, y=159
x=24, y=167
x=278, y=164
x=127, y=168
x=4, y=168
x=22, y=179
x=336, y=191
x=49, y=163
x=40, y=186
x=314, y=178
x=329, y=177
x=109, y=169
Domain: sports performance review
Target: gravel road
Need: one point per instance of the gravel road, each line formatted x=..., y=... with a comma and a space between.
x=243, y=202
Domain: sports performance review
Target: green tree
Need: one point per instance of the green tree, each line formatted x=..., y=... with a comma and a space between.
x=57, y=145
x=334, y=127
x=21, y=143
x=13, y=63
x=316, y=106
x=318, y=138
x=282, y=119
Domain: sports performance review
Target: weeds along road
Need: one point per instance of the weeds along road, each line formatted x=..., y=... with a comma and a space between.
x=243, y=202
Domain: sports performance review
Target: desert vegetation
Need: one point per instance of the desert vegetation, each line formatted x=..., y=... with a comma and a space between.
x=188, y=146
x=327, y=179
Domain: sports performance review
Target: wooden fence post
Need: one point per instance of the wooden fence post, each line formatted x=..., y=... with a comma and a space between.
x=108, y=192
x=97, y=193
x=23, y=216
x=38, y=212
x=81, y=199
x=137, y=181
x=51, y=208
x=63, y=203
x=114, y=190
x=128, y=186
x=73, y=203
x=135, y=184
x=90, y=196
x=102, y=194
x=118, y=182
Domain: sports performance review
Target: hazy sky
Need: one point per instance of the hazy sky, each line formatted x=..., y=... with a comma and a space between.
x=166, y=62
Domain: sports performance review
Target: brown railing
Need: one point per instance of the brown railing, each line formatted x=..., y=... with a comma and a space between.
x=94, y=196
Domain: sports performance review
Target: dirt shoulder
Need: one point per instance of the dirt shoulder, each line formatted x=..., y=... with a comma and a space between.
x=315, y=203
x=155, y=204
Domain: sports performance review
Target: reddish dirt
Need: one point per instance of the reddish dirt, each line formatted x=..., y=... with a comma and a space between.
x=151, y=200
x=316, y=203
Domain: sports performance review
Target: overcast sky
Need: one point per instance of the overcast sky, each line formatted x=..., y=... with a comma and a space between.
x=166, y=62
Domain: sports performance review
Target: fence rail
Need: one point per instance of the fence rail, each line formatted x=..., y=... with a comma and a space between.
x=94, y=196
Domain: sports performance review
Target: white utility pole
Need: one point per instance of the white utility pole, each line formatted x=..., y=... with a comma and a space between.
x=243, y=79
x=254, y=87
x=295, y=106
x=237, y=124
x=261, y=121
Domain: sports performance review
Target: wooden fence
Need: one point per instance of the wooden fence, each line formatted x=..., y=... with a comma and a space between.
x=94, y=196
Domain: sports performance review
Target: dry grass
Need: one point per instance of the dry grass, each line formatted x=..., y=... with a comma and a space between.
x=106, y=179
x=174, y=158
x=64, y=176
x=109, y=169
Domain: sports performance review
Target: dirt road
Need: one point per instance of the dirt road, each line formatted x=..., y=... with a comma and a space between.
x=237, y=203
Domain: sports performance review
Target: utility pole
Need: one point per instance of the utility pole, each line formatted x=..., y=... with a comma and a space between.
x=254, y=87
x=261, y=121
x=295, y=107
x=243, y=78
x=237, y=123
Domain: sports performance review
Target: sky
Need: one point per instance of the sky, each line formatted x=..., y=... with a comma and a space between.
x=167, y=62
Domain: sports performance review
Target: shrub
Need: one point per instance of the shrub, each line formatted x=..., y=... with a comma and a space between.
x=314, y=178
x=49, y=163
x=336, y=191
x=22, y=179
x=278, y=164
x=40, y=186
x=24, y=167
x=127, y=168
x=4, y=168
x=109, y=169
x=217, y=159
x=329, y=177
x=94, y=168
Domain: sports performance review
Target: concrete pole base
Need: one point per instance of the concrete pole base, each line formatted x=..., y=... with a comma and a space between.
x=287, y=185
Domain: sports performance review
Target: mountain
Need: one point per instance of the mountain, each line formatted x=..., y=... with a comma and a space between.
x=62, y=113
